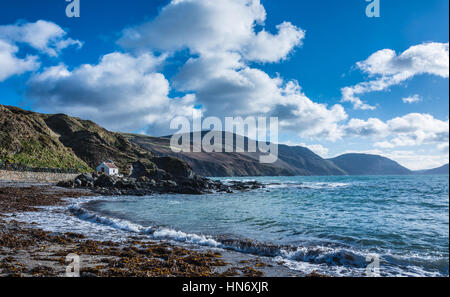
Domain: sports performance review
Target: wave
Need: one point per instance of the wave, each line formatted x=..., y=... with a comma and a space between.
x=325, y=257
x=308, y=185
x=156, y=233
x=298, y=258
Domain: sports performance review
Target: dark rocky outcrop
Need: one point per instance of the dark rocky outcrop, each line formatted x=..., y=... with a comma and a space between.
x=143, y=185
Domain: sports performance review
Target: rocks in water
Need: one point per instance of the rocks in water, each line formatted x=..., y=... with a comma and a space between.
x=146, y=179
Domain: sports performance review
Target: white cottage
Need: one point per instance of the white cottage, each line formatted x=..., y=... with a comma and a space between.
x=108, y=168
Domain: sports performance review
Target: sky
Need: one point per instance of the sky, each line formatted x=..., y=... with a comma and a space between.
x=338, y=81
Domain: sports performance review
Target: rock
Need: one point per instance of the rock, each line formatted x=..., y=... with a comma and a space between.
x=143, y=179
x=189, y=191
x=105, y=181
x=171, y=183
x=66, y=184
x=174, y=167
x=126, y=184
x=88, y=274
x=85, y=177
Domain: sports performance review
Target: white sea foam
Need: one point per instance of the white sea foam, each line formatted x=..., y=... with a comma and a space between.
x=308, y=185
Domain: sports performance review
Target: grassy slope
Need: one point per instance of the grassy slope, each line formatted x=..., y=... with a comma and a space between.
x=26, y=139
x=61, y=141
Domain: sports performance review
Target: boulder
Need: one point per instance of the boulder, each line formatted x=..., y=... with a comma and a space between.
x=105, y=181
x=174, y=167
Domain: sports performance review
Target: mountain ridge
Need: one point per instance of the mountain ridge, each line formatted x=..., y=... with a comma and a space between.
x=444, y=170
x=367, y=164
x=61, y=141
x=291, y=160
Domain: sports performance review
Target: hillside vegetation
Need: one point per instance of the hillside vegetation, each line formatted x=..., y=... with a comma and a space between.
x=64, y=142
x=26, y=139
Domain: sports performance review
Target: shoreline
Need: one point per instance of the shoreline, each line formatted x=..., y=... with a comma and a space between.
x=28, y=251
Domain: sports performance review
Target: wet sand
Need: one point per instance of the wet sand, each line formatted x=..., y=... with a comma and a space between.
x=27, y=251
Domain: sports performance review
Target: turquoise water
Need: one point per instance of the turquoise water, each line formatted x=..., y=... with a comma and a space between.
x=329, y=224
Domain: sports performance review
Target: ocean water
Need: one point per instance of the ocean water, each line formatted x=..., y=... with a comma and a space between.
x=333, y=225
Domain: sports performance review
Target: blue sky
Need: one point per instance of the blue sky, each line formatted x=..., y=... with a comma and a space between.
x=319, y=51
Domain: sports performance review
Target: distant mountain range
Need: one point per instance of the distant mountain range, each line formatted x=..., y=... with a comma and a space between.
x=363, y=164
x=61, y=141
x=291, y=160
x=441, y=170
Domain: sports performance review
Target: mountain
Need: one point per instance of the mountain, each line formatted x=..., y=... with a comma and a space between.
x=26, y=139
x=291, y=160
x=363, y=164
x=444, y=170
x=60, y=141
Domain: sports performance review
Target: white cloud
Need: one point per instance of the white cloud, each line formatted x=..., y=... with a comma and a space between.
x=125, y=92
x=389, y=69
x=413, y=132
x=11, y=65
x=200, y=25
x=221, y=37
x=265, y=47
x=372, y=127
x=205, y=26
x=407, y=131
x=44, y=36
x=121, y=92
x=318, y=149
x=417, y=129
x=412, y=99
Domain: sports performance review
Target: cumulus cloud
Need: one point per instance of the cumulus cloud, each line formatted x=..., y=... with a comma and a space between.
x=388, y=69
x=205, y=26
x=412, y=99
x=407, y=131
x=425, y=137
x=44, y=36
x=222, y=39
x=223, y=84
x=372, y=127
x=265, y=47
x=120, y=92
x=11, y=65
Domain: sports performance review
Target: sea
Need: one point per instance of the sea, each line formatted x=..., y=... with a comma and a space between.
x=394, y=226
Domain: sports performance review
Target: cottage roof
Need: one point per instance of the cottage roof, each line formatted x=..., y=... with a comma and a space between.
x=110, y=165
